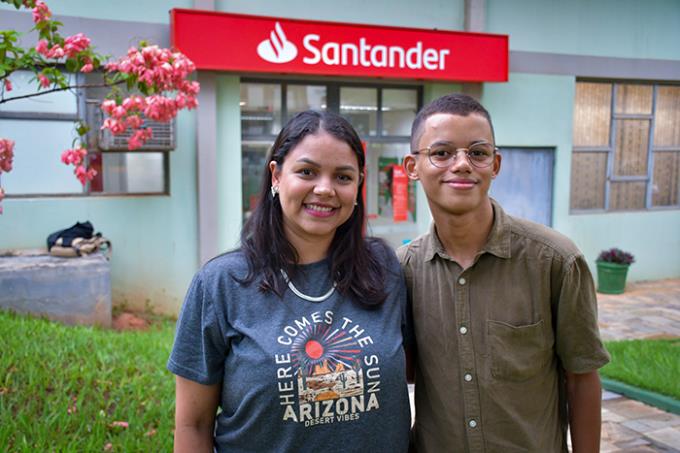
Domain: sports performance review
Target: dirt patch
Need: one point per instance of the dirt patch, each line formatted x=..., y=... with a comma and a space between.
x=130, y=321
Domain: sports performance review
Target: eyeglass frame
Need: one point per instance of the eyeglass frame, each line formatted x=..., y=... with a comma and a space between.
x=417, y=152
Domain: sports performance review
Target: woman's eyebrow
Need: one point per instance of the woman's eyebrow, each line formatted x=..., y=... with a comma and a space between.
x=308, y=161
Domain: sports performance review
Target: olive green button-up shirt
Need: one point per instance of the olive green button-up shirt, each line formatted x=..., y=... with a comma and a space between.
x=493, y=340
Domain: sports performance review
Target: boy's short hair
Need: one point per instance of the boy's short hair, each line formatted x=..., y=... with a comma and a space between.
x=455, y=104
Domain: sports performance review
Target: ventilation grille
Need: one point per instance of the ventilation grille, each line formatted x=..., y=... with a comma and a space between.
x=163, y=138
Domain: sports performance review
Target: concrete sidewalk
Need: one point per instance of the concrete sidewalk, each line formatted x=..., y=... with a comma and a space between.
x=645, y=310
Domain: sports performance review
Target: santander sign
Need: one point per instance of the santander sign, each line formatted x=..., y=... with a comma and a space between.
x=278, y=50
x=239, y=43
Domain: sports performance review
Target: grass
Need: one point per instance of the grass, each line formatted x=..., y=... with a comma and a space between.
x=648, y=364
x=64, y=388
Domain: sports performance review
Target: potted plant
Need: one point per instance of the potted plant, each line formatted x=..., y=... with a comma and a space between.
x=612, y=268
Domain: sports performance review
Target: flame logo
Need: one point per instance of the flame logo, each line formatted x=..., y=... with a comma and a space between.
x=277, y=49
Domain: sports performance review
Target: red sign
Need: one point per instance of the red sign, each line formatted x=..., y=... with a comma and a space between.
x=241, y=43
x=399, y=194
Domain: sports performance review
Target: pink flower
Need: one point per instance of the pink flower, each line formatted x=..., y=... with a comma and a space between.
x=73, y=156
x=133, y=103
x=44, y=81
x=75, y=44
x=87, y=68
x=41, y=47
x=84, y=176
x=116, y=127
x=6, y=154
x=138, y=139
x=118, y=112
x=41, y=12
x=55, y=52
x=119, y=425
x=8, y=84
x=133, y=121
x=108, y=105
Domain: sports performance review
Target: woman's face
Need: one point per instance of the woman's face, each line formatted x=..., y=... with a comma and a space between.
x=318, y=185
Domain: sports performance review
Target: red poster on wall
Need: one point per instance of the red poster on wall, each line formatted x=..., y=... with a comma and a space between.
x=399, y=194
x=244, y=43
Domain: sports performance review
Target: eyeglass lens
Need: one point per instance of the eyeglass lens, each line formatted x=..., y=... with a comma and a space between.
x=479, y=155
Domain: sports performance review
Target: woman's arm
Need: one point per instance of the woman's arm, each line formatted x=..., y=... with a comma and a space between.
x=196, y=405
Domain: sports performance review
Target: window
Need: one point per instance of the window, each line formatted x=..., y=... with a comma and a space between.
x=381, y=115
x=42, y=128
x=626, y=153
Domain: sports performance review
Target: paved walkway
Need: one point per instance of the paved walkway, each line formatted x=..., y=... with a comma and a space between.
x=645, y=310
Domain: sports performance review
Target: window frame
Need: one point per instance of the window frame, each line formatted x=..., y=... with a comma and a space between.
x=80, y=115
x=610, y=150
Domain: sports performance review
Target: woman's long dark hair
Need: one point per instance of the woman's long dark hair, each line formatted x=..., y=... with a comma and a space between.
x=354, y=266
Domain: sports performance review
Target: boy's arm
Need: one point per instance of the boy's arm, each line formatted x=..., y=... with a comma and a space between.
x=584, y=395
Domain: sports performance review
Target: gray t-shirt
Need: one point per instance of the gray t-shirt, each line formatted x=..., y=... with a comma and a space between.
x=297, y=375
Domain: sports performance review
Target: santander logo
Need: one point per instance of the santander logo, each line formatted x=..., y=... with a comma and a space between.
x=277, y=49
x=319, y=51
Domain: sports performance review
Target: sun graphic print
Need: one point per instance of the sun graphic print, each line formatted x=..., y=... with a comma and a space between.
x=327, y=364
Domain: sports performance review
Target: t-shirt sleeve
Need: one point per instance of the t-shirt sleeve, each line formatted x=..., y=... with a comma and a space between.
x=200, y=343
x=578, y=340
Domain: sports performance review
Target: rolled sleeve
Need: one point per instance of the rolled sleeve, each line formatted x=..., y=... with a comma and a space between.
x=578, y=341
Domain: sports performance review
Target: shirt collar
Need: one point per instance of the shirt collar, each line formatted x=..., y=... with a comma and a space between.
x=497, y=244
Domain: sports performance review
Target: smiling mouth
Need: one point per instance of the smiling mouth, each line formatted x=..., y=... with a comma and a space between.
x=318, y=210
x=461, y=184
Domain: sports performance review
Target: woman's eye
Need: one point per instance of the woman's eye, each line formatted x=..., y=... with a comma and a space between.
x=345, y=178
x=306, y=172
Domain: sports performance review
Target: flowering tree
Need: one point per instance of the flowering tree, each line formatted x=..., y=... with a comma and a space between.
x=155, y=81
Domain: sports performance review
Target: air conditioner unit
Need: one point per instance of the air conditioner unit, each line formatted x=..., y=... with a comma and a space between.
x=163, y=138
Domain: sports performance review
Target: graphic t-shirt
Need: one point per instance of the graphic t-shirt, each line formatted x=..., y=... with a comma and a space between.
x=297, y=375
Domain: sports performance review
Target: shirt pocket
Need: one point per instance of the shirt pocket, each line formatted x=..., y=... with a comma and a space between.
x=517, y=352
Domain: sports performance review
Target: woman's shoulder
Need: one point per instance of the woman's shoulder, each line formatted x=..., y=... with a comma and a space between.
x=231, y=264
x=383, y=253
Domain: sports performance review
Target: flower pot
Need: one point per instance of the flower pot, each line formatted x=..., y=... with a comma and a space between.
x=611, y=277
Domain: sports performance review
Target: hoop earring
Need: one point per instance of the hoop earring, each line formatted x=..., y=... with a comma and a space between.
x=274, y=190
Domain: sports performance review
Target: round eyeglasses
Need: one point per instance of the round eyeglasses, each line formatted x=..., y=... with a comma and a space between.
x=443, y=155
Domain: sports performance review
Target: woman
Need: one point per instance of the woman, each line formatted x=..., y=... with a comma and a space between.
x=298, y=335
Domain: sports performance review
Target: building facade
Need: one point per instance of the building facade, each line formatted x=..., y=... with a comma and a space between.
x=588, y=123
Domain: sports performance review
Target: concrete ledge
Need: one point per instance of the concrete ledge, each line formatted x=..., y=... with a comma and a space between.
x=70, y=290
x=646, y=396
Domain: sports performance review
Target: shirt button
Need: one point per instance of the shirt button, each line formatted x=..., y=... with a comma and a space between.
x=467, y=377
x=461, y=281
x=462, y=330
x=472, y=423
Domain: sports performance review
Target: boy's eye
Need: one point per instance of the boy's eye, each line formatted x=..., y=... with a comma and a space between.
x=440, y=152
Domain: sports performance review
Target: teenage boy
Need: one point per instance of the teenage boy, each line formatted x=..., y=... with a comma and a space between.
x=504, y=309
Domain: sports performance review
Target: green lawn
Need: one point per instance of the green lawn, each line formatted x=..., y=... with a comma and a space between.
x=649, y=364
x=64, y=388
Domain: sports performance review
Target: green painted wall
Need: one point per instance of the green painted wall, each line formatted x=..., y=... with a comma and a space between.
x=440, y=14
x=611, y=28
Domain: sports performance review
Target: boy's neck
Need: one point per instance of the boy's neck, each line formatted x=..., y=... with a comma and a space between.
x=464, y=235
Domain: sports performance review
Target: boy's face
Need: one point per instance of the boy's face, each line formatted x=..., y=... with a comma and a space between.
x=460, y=187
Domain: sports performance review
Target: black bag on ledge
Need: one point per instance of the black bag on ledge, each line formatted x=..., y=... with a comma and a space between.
x=77, y=240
